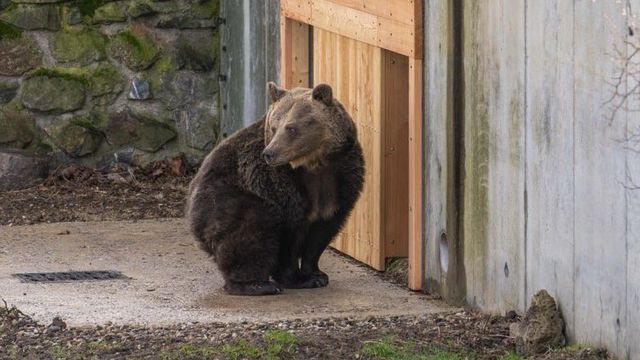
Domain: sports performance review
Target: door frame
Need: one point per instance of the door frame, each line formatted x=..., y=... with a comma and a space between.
x=394, y=25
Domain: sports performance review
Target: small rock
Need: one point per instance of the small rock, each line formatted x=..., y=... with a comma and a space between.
x=32, y=17
x=56, y=325
x=8, y=91
x=75, y=137
x=19, y=170
x=542, y=327
x=109, y=13
x=79, y=46
x=196, y=126
x=135, y=49
x=25, y=55
x=53, y=93
x=139, y=8
x=180, y=21
x=74, y=16
x=140, y=90
x=119, y=179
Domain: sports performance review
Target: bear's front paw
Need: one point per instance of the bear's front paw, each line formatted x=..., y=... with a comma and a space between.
x=252, y=288
x=314, y=280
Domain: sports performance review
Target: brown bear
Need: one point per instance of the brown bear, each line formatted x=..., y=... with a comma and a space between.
x=268, y=200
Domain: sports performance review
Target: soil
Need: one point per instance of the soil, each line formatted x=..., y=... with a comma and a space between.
x=76, y=193
x=81, y=194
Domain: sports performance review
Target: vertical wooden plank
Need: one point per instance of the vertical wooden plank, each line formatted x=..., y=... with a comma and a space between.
x=507, y=154
x=476, y=150
x=550, y=153
x=354, y=70
x=438, y=95
x=494, y=152
x=600, y=208
x=286, y=43
x=415, y=174
x=395, y=132
x=631, y=320
x=294, y=53
x=444, y=106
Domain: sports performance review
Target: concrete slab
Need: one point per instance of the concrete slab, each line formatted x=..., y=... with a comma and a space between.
x=171, y=280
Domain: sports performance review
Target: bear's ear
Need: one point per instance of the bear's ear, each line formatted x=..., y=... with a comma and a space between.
x=275, y=91
x=323, y=93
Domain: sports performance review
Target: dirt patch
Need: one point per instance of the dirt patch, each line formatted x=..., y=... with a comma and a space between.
x=455, y=335
x=76, y=193
x=466, y=333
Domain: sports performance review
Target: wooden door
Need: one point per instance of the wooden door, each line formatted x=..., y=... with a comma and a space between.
x=372, y=85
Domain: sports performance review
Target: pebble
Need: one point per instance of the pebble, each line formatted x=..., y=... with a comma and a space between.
x=140, y=90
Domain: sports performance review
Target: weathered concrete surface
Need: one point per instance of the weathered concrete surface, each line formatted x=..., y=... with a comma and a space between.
x=172, y=281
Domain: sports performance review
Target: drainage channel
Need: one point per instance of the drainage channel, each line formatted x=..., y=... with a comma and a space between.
x=68, y=276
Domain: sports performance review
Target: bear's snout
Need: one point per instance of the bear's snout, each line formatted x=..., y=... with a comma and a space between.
x=268, y=155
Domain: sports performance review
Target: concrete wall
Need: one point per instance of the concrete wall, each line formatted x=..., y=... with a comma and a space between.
x=530, y=182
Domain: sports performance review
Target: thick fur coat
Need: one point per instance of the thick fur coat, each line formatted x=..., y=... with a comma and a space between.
x=269, y=199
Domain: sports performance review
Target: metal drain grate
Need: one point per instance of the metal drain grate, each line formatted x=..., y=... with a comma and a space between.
x=70, y=276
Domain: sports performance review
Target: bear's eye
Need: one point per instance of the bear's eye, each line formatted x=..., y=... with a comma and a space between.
x=290, y=130
x=273, y=129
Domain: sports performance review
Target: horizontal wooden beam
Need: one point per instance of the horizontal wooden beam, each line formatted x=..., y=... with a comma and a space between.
x=394, y=25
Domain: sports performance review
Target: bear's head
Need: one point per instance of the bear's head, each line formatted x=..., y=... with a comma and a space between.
x=303, y=127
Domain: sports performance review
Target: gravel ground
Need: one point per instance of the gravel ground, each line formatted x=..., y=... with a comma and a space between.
x=455, y=335
x=82, y=194
x=465, y=333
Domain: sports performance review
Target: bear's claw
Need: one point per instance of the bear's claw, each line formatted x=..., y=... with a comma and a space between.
x=252, y=288
x=310, y=281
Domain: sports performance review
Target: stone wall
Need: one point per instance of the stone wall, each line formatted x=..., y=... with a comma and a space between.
x=97, y=81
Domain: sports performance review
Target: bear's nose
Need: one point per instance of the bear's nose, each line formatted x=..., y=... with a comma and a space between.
x=268, y=155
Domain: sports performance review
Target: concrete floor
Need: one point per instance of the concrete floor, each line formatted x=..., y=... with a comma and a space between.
x=171, y=280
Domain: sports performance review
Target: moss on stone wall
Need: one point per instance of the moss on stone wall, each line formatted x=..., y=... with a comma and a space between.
x=136, y=51
x=80, y=45
x=8, y=31
x=83, y=94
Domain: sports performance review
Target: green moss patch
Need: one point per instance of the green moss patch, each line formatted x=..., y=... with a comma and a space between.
x=88, y=7
x=32, y=17
x=78, y=45
x=16, y=129
x=75, y=137
x=55, y=90
x=137, y=51
x=109, y=13
x=137, y=8
x=74, y=74
x=104, y=79
x=205, y=9
x=8, y=31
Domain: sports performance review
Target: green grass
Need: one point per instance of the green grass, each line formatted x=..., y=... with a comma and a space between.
x=510, y=356
x=278, y=344
x=242, y=349
x=388, y=349
x=189, y=351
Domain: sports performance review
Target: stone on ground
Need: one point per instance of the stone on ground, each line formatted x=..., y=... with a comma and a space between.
x=542, y=327
x=20, y=170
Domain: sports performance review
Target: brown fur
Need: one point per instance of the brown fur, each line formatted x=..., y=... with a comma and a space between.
x=262, y=221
